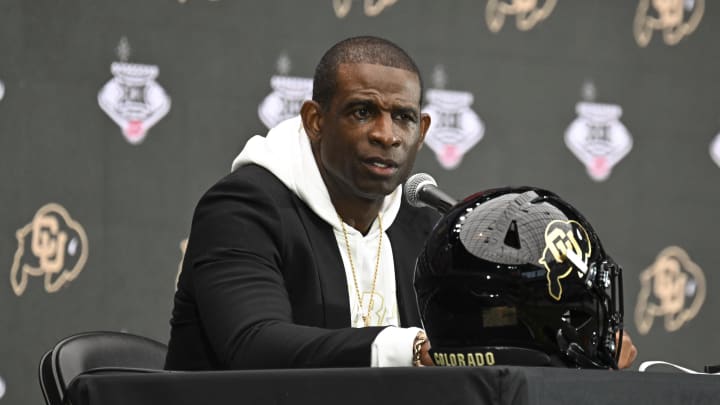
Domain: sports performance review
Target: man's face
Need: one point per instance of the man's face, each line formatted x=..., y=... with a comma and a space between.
x=369, y=135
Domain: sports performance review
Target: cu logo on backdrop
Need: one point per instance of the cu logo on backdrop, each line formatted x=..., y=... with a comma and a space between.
x=527, y=13
x=676, y=19
x=371, y=8
x=52, y=246
x=673, y=288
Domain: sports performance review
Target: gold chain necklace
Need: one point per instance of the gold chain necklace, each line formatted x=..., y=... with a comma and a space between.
x=366, y=318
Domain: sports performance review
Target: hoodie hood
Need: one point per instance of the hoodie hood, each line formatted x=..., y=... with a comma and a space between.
x=286, y=153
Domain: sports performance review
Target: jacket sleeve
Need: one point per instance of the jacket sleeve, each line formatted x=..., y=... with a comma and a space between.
x=236, y=256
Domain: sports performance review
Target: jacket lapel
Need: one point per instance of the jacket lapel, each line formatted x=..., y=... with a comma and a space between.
x=404, y=248
x=329, y=268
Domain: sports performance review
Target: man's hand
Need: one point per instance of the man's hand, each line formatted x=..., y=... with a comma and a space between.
x=628, y=352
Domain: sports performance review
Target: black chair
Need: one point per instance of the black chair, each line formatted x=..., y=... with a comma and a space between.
x=93, y=351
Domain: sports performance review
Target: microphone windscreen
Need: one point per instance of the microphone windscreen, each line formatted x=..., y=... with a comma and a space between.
x=414, y=184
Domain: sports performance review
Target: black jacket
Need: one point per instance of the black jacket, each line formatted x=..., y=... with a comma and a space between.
x=263, y=284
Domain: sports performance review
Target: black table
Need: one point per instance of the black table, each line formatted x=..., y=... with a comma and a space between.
x=368, y=386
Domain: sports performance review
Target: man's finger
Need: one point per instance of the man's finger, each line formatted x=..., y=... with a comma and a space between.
x=628, y=352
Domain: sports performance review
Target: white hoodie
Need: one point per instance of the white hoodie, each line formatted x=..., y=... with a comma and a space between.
x=286, y=153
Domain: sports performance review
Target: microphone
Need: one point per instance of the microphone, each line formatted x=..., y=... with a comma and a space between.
x=421, y=191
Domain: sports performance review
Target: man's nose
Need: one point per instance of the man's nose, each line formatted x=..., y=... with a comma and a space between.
x=383, y=132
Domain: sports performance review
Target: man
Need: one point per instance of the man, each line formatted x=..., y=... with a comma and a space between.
x=303, y=256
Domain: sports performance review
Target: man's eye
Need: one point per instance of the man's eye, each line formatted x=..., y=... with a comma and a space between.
x=406, y=117
x=362, y=112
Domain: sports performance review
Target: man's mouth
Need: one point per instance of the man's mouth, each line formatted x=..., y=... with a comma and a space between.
x=382, y=167
x=380, y=164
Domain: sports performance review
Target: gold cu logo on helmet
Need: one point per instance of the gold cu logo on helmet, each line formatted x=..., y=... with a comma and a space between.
x=561, y=236
x=673, y=287
x=667, y=16
x=527, y=13
x=52, y=245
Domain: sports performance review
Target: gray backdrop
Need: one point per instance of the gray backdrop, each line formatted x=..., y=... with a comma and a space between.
x=105, y=253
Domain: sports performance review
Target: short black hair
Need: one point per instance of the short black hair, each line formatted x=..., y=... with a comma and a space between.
x=362, y=49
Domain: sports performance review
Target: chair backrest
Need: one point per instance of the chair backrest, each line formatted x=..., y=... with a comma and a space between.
x=47, y=380
x=92, y=350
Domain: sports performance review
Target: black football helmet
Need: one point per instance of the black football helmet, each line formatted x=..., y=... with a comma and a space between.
x=517, y=276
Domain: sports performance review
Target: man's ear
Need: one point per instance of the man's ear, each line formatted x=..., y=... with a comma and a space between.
x=311, y=114
x=424, y=126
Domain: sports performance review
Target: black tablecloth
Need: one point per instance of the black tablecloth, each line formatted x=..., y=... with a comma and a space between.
x=367, y=386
